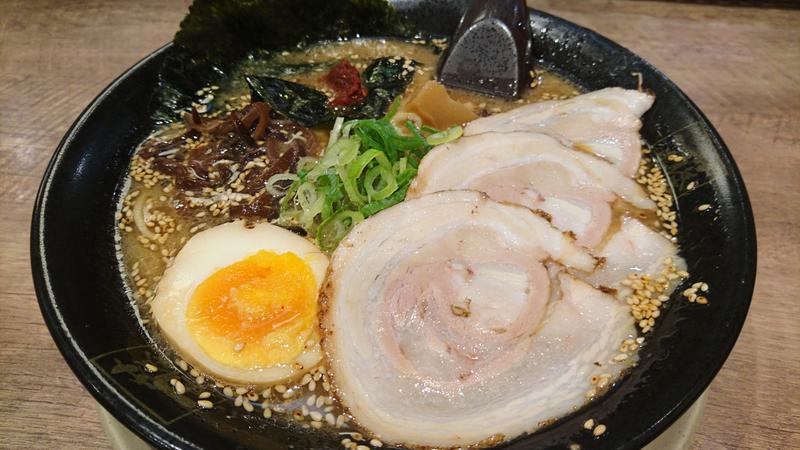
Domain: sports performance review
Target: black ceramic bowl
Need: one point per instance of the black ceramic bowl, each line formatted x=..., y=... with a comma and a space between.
x=82, y=299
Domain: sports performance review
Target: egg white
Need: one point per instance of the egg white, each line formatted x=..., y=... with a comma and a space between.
x=204, y=254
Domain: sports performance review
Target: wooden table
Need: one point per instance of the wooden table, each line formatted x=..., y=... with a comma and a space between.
x=741, y=66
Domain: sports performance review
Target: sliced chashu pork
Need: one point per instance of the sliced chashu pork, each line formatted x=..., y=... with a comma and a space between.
x=634, y=248
x=604, y=122
x=447, y=322
x=534, y=170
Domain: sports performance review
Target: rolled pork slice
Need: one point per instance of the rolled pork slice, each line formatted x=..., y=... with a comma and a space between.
x=633, y=249
x=534, y=170
x=604, y=122
x=450, y=320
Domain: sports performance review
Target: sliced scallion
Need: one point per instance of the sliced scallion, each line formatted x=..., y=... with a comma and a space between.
x=367, y=167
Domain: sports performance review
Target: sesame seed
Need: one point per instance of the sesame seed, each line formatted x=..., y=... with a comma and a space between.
x=205, y=404
x=599, y=429
x=703, y=207
x=589, y=424
x=280, y=389
x=204, y=394
x=238, y=401
x=149, y=368
x=241, y=390
x=247, y=405
x=180, y=389
x=375, y=443
x=228, y=391
x=675, y=157
x=267, y=412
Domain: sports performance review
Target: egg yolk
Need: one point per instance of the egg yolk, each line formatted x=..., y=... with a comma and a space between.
x=257, y=312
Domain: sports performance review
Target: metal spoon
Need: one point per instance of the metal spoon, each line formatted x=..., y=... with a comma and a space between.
x=490, y=50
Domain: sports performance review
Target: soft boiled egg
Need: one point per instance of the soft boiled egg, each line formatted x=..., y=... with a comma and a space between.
x=241, y=303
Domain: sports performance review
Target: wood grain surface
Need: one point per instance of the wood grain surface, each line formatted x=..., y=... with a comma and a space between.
x=740, y=65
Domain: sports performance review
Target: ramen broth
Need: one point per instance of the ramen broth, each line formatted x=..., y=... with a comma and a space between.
x=154, y=221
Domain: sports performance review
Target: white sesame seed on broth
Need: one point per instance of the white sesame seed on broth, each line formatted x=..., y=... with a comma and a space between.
x=156, y=217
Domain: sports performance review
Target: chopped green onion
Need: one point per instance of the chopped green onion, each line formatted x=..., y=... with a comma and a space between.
x=380, y=205
x=332, y=231
x=306, y=195
x=392, y=109
x=367, y=167
x=447, y=135
x=278, y=177
x=348, y=152
x=306, y=163
x=386, y=179
x=335, y=131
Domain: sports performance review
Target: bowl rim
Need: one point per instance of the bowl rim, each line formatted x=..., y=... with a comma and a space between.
x=102, y=392
x=155, y=433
